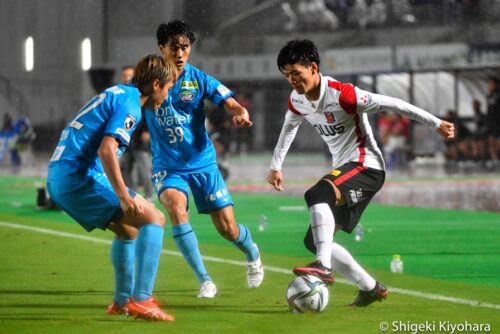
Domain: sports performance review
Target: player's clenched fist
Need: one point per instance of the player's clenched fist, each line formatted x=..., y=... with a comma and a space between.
x=275, y=178
x=447, y=130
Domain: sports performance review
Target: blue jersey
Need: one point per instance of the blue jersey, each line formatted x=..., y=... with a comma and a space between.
x=115, y=112
x=179, y=139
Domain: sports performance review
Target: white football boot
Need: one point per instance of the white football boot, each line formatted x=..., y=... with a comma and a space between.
x=255, y=272
x=207, y=290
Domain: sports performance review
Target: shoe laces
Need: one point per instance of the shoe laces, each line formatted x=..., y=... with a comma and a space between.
x=254, y=267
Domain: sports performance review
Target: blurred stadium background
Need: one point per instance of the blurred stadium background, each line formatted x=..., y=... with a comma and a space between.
x=436, y=54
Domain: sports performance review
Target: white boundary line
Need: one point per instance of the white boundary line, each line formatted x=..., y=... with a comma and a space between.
x=431, y=296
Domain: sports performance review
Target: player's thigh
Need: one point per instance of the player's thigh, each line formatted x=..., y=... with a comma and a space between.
x=339, y=196
x=89, y=199
x=347, y=217
x=151, y=215
x=175, y=202
x=122, y=231
x=356, y=182
x=209, y=191
x=173, y=191
x=338, y=176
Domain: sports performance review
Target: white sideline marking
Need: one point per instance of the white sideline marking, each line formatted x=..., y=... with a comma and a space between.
x=431, y=296
x=292, y=208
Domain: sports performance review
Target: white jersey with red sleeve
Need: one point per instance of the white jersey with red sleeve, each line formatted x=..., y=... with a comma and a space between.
x=340, y=118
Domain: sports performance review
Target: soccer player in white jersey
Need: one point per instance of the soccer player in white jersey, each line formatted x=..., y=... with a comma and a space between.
x=338, y=112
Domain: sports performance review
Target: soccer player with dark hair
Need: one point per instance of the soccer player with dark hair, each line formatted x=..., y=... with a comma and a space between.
x=126, y=74
x=493, y=114
x=84, y=179
x=184, y=158
x=338, y=112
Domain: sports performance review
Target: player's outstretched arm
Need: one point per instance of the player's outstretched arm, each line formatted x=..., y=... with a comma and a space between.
x=403, y=108
x=107, y=154
x=447, y=130
x=275, y=178
x=241, y=116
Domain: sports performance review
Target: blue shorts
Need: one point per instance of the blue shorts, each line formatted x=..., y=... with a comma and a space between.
x=208, y=187
x=87, y=198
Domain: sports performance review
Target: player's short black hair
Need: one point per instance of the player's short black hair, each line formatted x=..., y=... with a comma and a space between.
x=302, y=51
x=171, y=29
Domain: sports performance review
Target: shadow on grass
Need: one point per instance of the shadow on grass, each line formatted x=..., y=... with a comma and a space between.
x=53, y=306
x=66, y=319
x=230, y=308
x=55, y=292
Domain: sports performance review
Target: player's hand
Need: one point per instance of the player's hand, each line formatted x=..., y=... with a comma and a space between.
x=131, y=207
x=243, y=120
x=447, y=130
x=275, y=178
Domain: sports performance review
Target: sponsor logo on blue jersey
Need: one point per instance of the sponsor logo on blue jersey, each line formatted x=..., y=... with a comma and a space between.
x=189, y=85
x=186, y=96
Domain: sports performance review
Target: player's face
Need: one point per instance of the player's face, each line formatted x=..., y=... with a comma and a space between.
x=160, y=93
x=177, y=50
x=127, y=75
x=491, y=85
x=302, y=78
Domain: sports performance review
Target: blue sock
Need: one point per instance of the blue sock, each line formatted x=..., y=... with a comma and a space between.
x=122, y=258
x=186, y=242
x=147, y=254
x=245, y=243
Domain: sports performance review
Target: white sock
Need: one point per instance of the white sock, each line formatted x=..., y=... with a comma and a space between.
x=344, y=263
x=322, y=225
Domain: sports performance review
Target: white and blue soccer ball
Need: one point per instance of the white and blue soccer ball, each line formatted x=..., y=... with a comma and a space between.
x=307, y=294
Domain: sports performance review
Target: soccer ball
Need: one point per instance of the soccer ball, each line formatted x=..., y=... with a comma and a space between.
x=307, y=294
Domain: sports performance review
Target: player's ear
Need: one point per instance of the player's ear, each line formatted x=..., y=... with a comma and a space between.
x=155, y=85
x=314, y=68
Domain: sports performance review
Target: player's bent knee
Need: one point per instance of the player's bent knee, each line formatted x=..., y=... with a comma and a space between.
x=177, y=210
x=160, y=218
x=321, y=192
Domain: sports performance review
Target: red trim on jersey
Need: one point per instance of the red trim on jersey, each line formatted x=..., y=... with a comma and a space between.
x=347, y=100
x=291, y=107
x=349, y=174
x=361, y=139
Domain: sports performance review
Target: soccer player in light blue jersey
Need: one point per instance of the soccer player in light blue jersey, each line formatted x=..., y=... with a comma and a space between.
x=84, y=179
x=184, y=158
